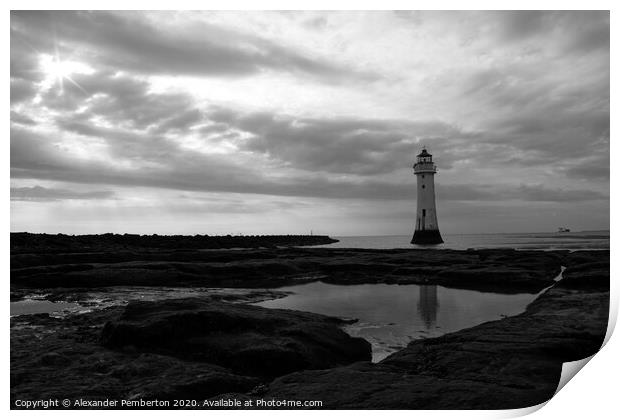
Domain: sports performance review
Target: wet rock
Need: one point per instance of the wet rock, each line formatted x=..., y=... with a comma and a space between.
x=54, y=359
x=62, y=358
x=247, y=339
x=587, y=270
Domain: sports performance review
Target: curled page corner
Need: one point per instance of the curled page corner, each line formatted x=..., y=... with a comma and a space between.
x=613, y=317
x=521, y=412
x=570, y=369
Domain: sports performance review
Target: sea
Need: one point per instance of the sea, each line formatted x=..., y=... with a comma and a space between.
x=583, y=240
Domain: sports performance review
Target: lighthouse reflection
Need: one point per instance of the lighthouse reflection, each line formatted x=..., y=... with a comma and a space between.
x=428, y=305
x=390, y=316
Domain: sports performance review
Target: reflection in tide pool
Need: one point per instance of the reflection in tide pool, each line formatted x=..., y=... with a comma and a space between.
x=81, y=302
x=390, y=316
x=35, y=306
x=427, y=305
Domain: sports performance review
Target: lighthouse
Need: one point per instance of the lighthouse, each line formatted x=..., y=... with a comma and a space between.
x=426, y=227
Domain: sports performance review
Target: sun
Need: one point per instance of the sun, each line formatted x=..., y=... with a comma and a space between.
x=59, y=69
x=56, y=71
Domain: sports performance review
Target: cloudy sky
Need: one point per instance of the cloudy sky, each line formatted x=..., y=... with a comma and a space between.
x=269, y=122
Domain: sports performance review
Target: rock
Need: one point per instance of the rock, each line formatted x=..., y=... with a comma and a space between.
x=62, y=358
x=54, y=359
x=587, y=270
x=247, y=339
x=202, y=381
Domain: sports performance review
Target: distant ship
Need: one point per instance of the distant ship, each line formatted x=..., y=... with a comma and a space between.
x=563, y=230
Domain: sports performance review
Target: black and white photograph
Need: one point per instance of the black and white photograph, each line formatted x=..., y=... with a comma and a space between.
x=305, y=209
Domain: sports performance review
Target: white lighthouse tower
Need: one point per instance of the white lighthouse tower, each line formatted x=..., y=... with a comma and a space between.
x=426, y=227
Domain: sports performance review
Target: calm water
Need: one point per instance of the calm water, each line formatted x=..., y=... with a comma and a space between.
x=391, y=315
x=544, y=241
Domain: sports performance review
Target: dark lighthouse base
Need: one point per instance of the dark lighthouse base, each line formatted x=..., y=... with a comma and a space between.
x=426, y=237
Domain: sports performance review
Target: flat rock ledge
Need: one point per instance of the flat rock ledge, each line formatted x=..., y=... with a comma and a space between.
x=498, y=270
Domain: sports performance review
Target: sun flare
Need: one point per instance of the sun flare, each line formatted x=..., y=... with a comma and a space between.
x=56, y=71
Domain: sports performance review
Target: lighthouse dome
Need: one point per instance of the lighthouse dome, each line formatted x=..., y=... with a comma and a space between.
x=424, y=153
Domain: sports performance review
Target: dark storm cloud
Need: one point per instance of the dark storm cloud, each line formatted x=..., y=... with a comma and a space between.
x=123, y=99
x=519, y=25
x=38, y=193
x=543, y=122
x=411, y=16
x=541, y=193
x=180, y=121
x=136, y=119
x=21, y=89
x=34, y=157
x=532, y=25
x=532, y=193
x=184, y=170
x=373, y=147
x=34, y=152
x=595, y=169
x=23, y=59
x=541, y=107
x=155, y=162
x=132, y=42
x=553, y=135
x=535, y=105
x=592, y=39
x=338, y=145
x=576, y=31
x=18, y=118
x=509, y=87
x=140, y=121
x=316, y=23
x=585, y=31
x=124, y=144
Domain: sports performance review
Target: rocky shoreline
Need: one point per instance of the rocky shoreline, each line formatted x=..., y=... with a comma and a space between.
x=219, y=348
x=501, y=270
